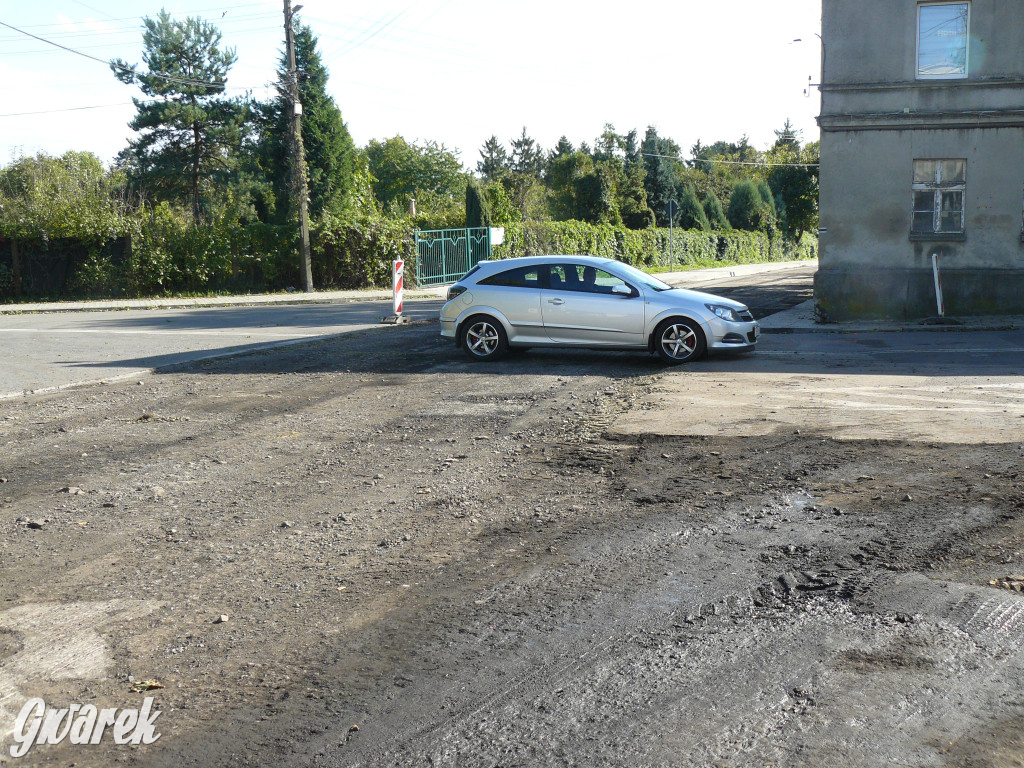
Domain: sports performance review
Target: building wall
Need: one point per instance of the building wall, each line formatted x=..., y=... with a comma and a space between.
x=876, y=120
x=876, y=40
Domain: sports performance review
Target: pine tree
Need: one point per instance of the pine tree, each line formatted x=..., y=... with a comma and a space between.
x=493, y=160
x=788, y=136
x=713, y=211
x=691, y=214
x=526, y=156
x=744, y=204
x=478, y=208
x=562, y=148
x=331, y=155
x=187, y=133
x=662, y=177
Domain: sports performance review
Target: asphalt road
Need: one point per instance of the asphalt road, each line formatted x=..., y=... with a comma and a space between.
x=53, y=350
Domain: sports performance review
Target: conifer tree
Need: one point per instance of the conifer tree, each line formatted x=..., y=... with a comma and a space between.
x=331, y=155
x=187, y=133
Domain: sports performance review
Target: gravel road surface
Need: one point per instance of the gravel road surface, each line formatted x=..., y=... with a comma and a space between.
x=366, y=550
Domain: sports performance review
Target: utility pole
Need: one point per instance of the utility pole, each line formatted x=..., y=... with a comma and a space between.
x=671, y=209
x=298, y=153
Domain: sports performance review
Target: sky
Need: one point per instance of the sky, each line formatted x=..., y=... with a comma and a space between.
x=450, y=71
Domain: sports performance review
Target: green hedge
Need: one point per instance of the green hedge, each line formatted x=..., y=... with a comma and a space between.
x=651, y=247
x=165, y=252
x=358, y=253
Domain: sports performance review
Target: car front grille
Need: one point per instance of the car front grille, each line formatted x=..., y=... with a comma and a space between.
x=751, y=337
x=746, y=316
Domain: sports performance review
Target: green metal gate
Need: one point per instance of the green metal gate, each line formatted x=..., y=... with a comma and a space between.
x=445, y=255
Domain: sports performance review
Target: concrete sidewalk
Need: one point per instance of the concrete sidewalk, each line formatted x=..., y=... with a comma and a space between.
x=800, y=319
x=251, y=300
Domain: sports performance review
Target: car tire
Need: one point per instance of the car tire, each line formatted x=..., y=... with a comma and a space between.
x=483, y=338
x=679, y=340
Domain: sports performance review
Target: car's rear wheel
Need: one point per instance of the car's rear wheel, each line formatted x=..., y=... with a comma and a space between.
x=484, y=338
x=679, y=340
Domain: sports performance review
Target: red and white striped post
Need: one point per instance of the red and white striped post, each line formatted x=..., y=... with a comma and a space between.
x=398, y=268
x=397, y=273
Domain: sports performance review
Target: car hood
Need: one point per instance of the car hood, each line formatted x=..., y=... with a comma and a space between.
x=685, y=295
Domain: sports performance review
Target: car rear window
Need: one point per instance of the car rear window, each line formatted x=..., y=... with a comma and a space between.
x=521, y=277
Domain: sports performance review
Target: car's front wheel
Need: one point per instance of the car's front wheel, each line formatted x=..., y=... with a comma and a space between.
x=679, y=340
x=484, y=338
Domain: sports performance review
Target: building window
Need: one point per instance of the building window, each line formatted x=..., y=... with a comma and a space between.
x=942, y=39
x=939, y=187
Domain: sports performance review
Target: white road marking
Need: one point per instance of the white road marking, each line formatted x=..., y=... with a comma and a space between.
x=164, y=332
x=843, y=354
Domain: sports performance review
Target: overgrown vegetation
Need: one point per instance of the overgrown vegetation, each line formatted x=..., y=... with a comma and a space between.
x=199, y=201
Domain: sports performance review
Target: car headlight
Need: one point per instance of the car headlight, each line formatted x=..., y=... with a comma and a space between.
x=726, y=313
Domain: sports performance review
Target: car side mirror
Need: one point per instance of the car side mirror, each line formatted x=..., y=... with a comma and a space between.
x=623, y=290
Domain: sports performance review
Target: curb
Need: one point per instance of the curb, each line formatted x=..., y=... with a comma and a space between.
x=204, y=303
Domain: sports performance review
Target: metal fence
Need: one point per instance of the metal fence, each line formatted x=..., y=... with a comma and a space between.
x=445, y=255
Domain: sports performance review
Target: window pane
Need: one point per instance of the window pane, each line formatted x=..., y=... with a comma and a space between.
x=556, y=277
x=942, y=40
x=586, y=279
x=952, y=201
x=524, y=277
x=953, y=171
x=924, y=200
x=952, y=222
x=925, y=171
x=923, y=222
x=604, y=282
x=570, y=275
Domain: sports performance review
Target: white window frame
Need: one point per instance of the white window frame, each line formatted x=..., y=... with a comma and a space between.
x=967, y=43
x=937, y=187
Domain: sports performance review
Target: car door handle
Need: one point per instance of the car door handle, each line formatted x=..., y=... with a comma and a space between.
x=555, y=301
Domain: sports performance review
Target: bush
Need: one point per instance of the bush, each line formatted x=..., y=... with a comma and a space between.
x=358, y=253
x=651, y=247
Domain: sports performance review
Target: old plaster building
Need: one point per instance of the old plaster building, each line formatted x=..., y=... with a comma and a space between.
x=922, y=152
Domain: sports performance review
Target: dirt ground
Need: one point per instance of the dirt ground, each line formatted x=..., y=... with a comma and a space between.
x=367, y=551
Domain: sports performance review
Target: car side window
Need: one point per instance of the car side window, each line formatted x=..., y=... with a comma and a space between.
x=585, y=279
x=523, y=277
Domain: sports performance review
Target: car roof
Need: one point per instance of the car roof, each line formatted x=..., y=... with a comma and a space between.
x=522, y=261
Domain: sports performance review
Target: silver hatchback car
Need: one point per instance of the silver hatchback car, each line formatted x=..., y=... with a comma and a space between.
x=584, y=301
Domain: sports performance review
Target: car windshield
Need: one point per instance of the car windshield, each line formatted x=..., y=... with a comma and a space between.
x=647, y=281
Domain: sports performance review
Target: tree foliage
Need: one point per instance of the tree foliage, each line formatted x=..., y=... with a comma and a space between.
x=186, y=131
x=68, y=197
x=331, y=156
x=717, y=220
x=691, y=213
x=794, y=180
x=494, y=162
x=427, y=172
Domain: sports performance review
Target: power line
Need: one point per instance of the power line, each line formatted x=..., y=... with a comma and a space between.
x=62, y=31
x=166, y=78
x=222, y=9
x=94, y=10
x=71, y=109
x=369, y=34
x=237, y=32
